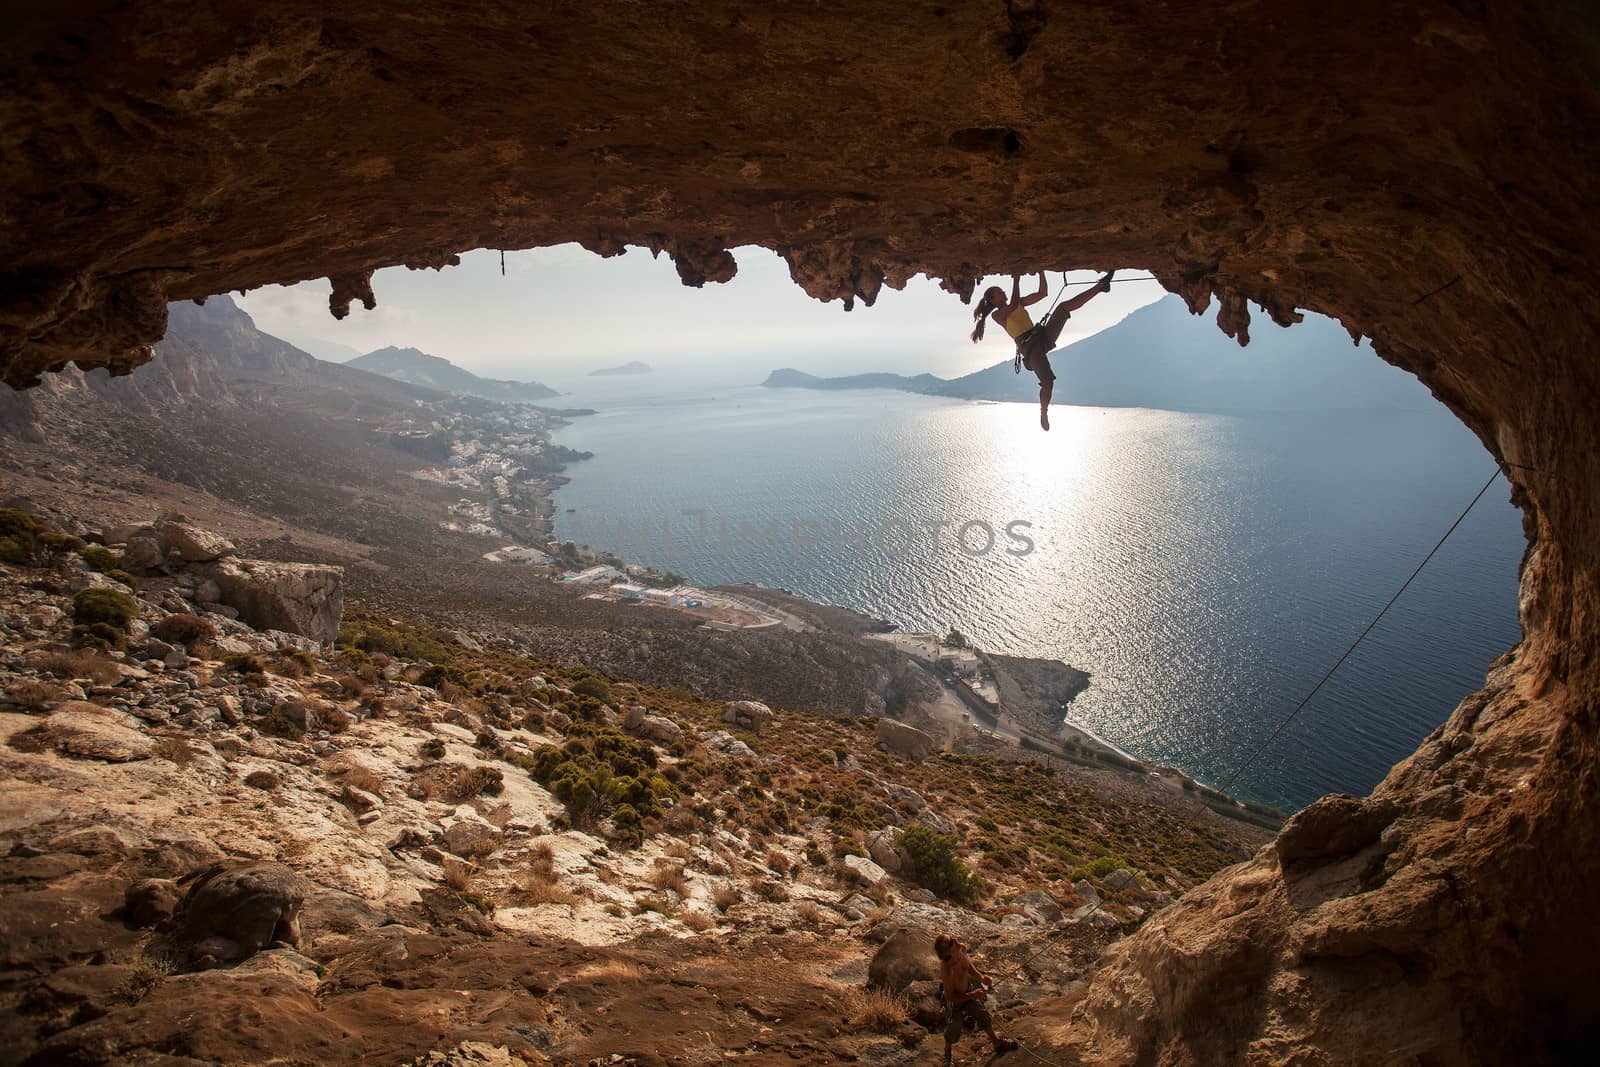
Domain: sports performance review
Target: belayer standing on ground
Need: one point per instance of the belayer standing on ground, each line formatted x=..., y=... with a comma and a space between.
x=965, y=989
x=1033, y=342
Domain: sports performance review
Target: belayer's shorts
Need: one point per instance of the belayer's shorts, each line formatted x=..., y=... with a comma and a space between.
x=956, y=1016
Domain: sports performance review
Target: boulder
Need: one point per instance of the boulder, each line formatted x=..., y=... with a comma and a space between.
x=1086, y=890
x=150, y=901
x=884, y=849
x=359, y=800
x=747, y=715
x=722, y=743
x=661, y=730
x=633, y=717
x=906, y=741
x=469, y=835
x=143, y=552
x=232, y=913
x=905, y=957
x=87, y=731
x=302, y=713
x=1120, y=879
x=1094, y=915
x=864, y=870
x=924, y=1006
x=299, y=598
x=1336, y=825
x=261, y=778
x=1041, y=906
x=183, y=539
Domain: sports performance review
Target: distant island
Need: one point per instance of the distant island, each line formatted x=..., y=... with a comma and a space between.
x=415, y=367
x=634, y=367
x=1160, y=357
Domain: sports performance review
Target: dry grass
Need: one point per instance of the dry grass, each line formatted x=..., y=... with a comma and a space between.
x=458, y=874
x=808, y=912
x=880, y=913
x=458, y=782
x=681, y=821
x=620, y=970
x=669, y=877
x=364, y=778
x=351, y=685
x=90, y=665
x=32, y=694
x=697, y=921
x=538, y=881
x=778, y=862
x=724, y=897
x=678, y=850
x=660, y=907
x=175, y=749
x=145, y=974
x=875, y=1008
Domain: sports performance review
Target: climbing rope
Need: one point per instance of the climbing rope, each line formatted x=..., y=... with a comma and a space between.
x=1340, y=661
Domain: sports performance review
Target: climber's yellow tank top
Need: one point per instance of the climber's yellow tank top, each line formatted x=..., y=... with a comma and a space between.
x=1018, y=323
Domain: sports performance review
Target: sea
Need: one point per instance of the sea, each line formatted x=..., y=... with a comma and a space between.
x=1205, y=569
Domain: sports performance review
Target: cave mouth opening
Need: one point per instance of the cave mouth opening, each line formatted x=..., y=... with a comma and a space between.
x=1359, y=165
x=648, y=312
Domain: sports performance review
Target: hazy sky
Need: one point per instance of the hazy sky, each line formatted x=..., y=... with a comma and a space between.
x=561, y=311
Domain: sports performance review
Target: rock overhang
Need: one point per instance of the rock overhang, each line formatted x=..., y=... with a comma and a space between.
x=1424, y=174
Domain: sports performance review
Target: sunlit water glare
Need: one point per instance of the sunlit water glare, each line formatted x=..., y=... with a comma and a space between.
x=1205, y=569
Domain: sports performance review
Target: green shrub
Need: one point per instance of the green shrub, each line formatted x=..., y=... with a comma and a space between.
x=433, y=748
x=54, y=542
x=100, y=558
x=1099, y=868
x=473, y=781
x=124, y=577
x=402, y=642
x=477, y=900
x=244, y=663
x=184, y=629
x=106, y=606
x=277, y=724
x=595, y=688
x=937, y=867
x=19, y=536
x=100, y=635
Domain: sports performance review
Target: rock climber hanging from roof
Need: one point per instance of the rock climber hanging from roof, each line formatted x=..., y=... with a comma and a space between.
x=1034, y=342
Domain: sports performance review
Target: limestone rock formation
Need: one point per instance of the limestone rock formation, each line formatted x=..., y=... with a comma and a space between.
x=905, y=957
x=231, y=913
x=190, y=543
x=300, y=598
x=87, y=731
x=1424, y=173
x=747, y=715
x=906, y=741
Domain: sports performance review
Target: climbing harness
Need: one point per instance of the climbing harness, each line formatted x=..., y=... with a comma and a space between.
x=1340, y=661
x=1017, y=360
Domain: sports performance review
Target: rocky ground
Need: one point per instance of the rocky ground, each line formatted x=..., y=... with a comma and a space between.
x=231, y=844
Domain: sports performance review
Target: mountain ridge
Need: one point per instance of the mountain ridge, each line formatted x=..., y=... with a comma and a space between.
x=1158, y=357
x=416, y=367
x=631, y=367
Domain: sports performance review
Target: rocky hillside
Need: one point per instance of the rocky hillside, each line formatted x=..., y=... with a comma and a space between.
x=224, y=843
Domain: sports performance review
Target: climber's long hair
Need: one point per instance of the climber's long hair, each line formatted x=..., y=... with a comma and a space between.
x=993, y=297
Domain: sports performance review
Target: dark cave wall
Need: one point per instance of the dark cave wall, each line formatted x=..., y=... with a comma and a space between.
x=1424, y=173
